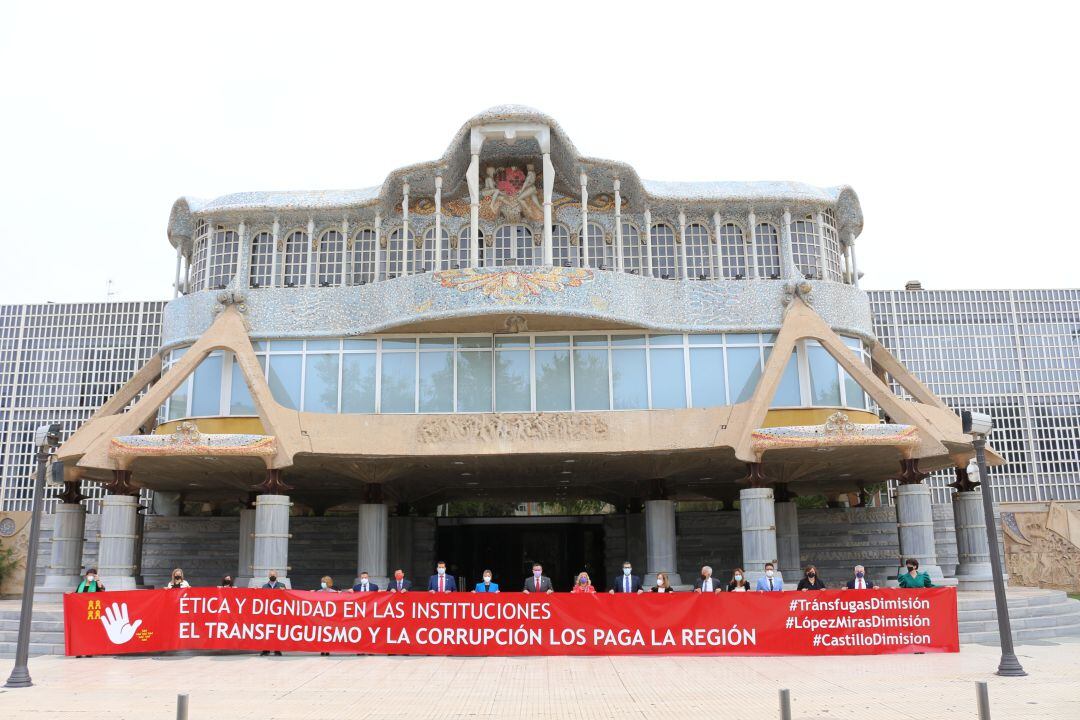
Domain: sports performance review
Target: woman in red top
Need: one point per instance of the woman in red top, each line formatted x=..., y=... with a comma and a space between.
x=583, y=584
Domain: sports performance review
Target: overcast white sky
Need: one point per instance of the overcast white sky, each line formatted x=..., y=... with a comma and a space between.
x=956, y=123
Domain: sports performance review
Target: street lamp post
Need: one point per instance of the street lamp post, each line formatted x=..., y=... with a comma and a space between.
x=979, y=425
x=46, y=439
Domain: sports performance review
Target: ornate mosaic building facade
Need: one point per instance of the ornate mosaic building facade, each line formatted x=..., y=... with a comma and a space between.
x=604, y=338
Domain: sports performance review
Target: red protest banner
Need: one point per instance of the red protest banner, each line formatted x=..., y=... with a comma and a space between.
x=853, y=622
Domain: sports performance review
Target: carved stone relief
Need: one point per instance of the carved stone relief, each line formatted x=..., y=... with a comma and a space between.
x=491, y=428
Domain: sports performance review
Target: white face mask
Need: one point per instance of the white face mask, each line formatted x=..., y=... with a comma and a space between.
x=487, y=578
x=363, y=581
x=659, y=582
x=441, y=571
x=768, y=573
x=738, y=578
x=323, y=585
x=89, y=578
x=626, y=571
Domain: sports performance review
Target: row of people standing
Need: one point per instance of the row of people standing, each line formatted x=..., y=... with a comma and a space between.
x=627, y=582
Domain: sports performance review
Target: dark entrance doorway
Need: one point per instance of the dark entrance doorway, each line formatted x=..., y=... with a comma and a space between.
x=509, y=546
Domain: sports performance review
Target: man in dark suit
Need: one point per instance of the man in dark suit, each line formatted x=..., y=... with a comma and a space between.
x=539, y=582
x=273, y=584
x=440, y=581
x=364, y=584
x=399, y=583
x=627, y=582
x=706, y=582
x=860, y=581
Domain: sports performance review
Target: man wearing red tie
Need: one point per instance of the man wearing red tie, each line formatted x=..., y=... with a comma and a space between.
x=441, y=582
x=538, y=583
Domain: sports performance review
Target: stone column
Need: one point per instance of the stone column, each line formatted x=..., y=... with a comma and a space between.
x=757, y=511
x=276, y=257
x=437, y=265
x=312, y=256
x=646, y=248
x=751, y=246
x=660, y=551
x=618, y=227
x=65, y=560
x=788, y=269
x=472, y=178
x=271, y=543
x=682, y=271
x=972, y=547
x=585, y=261
x=378, y=247
x=408, y=247
x=787, y=532
x=118, y=540
x=851, y=255
x=823, y=269
x=544, y=139
x=373, y=525
x=915, y=520
x=246, y=557
x=176, y=277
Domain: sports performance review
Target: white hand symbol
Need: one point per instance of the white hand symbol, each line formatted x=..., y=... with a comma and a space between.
x=116, y=624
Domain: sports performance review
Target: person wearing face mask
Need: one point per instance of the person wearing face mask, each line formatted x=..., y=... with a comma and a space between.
x=859, y=581
x=810, y=580
x=226, y=582
x=440, y=581
x=539, y=582
x=399, y=583
x=738, y=583
x=272, y=584
x=487, y=586
x=364, y=584
x=583, y=585
x=769, y=583
x=706, y=583
x=326, y=584
x=662, y=584
x=90, y=583
x=627, y=582
x=913, y=578
x=178, y=582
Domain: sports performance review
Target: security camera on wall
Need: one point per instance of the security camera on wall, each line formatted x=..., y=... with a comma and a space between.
x=976, y=423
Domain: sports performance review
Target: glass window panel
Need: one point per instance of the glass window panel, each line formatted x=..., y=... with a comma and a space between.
x=399, y=343
x=706, y=339
x=436, y=342
x=552, y=340
x=206, y=388
x=591, y=340
x=178, y=401
x=511, y=340
x=744, y=370
x=284, y=379
x=768, y=337
x=257, y=345
x=398, y=383
x=628, y=340
x=286, y=345
x=240, y=403
x=513, y=386
x=744, y=338
x=707, y=377
x=363, y=344
x=854, y=395
x=629, y=380
x=552, y=379
x=824, y=377
x=665, y=339
x=321, y=384
x=787, y=392
x=358, y=383
x=474, y=381
x=474, y=342
x=315, y=345
x=668, y=378
x=437, y=381
x=590, y=379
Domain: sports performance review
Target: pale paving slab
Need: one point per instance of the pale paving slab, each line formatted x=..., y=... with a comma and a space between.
x=311, y=686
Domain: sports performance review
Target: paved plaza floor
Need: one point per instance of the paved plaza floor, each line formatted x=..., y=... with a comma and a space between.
x=926, y=687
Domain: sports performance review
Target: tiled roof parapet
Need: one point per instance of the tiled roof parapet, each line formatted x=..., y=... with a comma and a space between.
x=605, y=296
x=567, y=162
